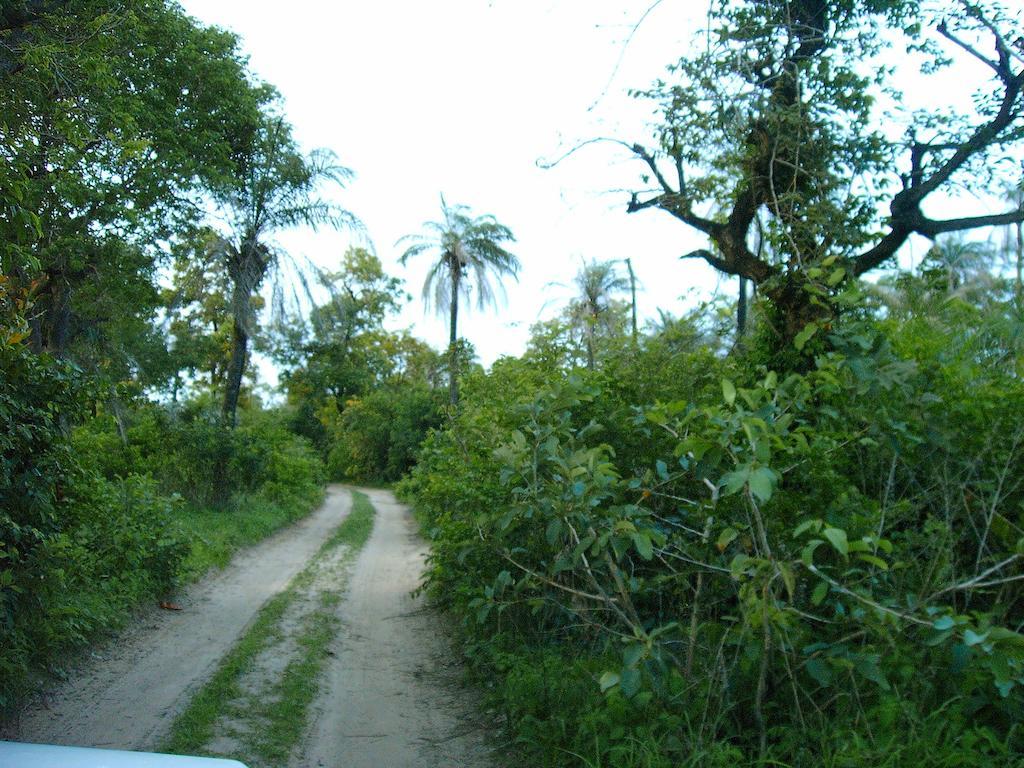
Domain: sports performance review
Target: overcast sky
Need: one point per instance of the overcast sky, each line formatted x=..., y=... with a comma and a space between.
x=464, y=97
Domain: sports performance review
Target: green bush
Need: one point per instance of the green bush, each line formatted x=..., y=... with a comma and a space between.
x=377, y=437
x=195, y=457
x=725, y=565
x=95, y=520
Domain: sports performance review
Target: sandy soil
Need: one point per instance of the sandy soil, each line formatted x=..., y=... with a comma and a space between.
x=128, y=694
x=390, y=698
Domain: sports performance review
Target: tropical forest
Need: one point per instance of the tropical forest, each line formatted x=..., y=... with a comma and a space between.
x=623, y=385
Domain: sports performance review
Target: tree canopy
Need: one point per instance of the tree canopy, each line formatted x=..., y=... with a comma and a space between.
x=786, y=118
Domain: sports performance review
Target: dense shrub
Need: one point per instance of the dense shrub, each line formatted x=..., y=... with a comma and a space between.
x=377, y=437
x=96, y=519
x=722, y=564
x=194, y=456
x=76, y=551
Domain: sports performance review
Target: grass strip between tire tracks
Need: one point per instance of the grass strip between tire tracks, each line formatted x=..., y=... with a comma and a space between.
x=283, y=713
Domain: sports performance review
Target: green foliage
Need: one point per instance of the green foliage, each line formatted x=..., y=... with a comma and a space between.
x=77, y=552
x=115, y=116
x=746, y=566
x=90, y=526
x=377, y=437
x=777, y=142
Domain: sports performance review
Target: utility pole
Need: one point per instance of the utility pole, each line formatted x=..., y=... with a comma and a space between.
x=632, y=290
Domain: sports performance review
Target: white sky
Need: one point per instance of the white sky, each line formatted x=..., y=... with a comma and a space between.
x=464, y=97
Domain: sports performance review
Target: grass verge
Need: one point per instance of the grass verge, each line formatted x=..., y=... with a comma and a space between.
x=214, y=535
x=279, y=714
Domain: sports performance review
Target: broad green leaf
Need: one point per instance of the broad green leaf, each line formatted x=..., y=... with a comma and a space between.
x=807, y=554
x=875, y=561
x=762, y=482
x=836, y=277
x=725, y=538
x=820, y=671
x=801, y=339
x=733, y=481
x=837, y=538
x=609, y=680
x=632, y=654
x=629, y=682
x=805, y=526
x=868, y=667
x=973, y=638
x=728, y=391
x=554, y=531
x=642, y=542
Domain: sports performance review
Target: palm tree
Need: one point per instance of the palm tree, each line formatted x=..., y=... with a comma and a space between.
x=1014, y=243
x=468, y=253
x=597, y=282
x=276, y=188
x=961, y=262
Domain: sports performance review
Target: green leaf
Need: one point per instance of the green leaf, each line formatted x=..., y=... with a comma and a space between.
x=868, y=667
x=820, y=593
x=725, y=538
x=629, y=682
x=805, y=526
x=820, y=671
x=973, y=638
x=554, y=531
x=807, y=554
x=836, y=277
x=837, y=538
x=943, y=623
x=875, y=561
x=728, y=391
x=731, y=482
x=609, y=680
x=642, y=542
x=805, y=335
x=762, y=482
x=632, y=655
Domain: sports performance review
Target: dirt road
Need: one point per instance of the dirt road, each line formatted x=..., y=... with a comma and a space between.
x=390, y=697
x=387, y=697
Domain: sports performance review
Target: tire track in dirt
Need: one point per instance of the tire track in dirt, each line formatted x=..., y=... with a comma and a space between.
x=390, y=696
x=129, y=693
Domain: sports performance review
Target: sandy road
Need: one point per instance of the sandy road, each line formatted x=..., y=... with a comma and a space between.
x=127, y=696
x=390, y=698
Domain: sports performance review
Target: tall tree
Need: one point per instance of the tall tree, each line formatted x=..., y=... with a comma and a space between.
x=779, y=112
x=468, y=255
x=116, y=117
x=277, y=187
x=597, y=283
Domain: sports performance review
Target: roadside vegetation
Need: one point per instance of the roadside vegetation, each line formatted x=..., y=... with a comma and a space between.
x=784, y=528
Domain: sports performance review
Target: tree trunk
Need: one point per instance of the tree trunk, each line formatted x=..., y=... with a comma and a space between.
x=453, y=338
x=236, y=369
x=591, y=362
x=741, y=309
x=239, y=355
